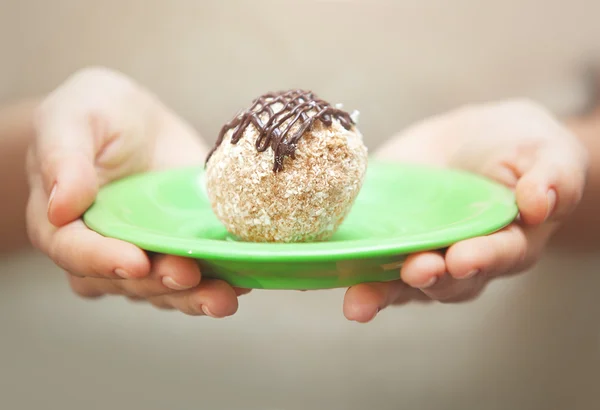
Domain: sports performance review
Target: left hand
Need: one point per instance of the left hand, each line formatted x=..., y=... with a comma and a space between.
x=516, y=143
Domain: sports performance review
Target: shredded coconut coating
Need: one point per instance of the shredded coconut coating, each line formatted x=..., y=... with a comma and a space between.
x=306, y=201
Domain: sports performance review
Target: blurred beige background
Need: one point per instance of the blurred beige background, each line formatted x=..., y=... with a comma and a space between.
x=532, y=342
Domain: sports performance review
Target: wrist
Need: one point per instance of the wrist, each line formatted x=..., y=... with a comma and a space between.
x=16, y=133
x=581, y=230
x=17, y=119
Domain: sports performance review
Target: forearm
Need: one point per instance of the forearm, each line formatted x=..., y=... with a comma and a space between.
x=16, y=132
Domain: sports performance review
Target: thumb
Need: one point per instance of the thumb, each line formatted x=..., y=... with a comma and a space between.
x=425, y=143
x=65, y=155
x=549, y=190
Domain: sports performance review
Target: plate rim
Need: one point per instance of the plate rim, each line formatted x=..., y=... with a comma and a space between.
x=219, y=250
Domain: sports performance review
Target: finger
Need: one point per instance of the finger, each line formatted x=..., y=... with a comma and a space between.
x=85, y=288
x=175, y=273
x=446, y=289
x=242, y=291
x=160, y=303
x=471, y=263
x=362, y=302
x=169, y=274
x=427, y=271
x=550, y=189
x=212, y=297
x=81, y=251
x=503, y=252
x=135, y=299
x=422, y=270
x=65, y=151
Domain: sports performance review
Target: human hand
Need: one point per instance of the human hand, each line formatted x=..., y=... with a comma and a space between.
x=516, y=143
x=97, y=127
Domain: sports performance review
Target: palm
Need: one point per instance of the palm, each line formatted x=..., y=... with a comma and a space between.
x=177, y=145
x=172, y=144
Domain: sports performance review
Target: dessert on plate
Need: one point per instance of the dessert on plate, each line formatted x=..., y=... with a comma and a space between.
x=286, y=169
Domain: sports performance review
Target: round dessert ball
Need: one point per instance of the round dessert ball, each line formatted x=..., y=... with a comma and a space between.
x=287, y=169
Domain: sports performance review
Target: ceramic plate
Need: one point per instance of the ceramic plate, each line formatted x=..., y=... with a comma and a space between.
x=400, y=210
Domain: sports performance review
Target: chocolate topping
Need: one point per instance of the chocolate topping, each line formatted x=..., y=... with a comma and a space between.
x=297, y=107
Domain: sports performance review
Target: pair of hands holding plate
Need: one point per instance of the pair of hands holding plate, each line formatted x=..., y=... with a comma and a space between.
x=100, y=126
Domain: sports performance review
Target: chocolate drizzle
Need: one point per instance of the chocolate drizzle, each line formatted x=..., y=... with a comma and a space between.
x=296, y=107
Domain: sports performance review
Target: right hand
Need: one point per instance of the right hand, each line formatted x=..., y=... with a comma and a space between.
x=97, y=127
x=515, y=143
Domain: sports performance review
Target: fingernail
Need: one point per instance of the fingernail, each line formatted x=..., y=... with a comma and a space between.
x=469, y=275
x=429, y=283
x=207, y=311
x=51, y=197
x=122, y=273
x=551, y=198
x=172, y=284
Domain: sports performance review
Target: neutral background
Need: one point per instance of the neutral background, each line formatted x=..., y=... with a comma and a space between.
x=532, y=342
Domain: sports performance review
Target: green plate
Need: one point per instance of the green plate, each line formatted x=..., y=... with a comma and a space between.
x=400, y=210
